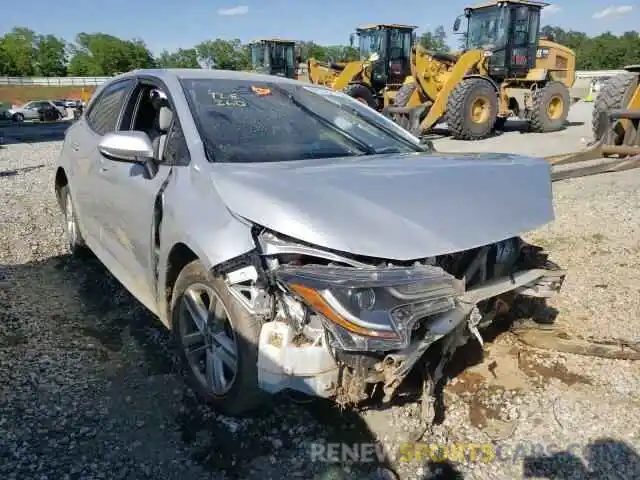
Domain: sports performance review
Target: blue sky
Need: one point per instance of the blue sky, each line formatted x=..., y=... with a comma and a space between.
x=172, y=24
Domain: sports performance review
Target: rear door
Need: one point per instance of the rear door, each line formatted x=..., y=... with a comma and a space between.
x=95, y=200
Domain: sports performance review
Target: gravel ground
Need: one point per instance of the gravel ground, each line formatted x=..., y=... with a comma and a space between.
x=89, y=387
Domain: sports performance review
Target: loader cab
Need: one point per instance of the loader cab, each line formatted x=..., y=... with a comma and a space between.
x=389, y=46
x=273, y=57
x=508, y=30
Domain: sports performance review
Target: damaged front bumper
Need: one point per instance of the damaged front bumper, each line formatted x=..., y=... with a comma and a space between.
x=448, y=312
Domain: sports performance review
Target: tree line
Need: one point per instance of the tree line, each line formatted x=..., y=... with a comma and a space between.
x=24, y=52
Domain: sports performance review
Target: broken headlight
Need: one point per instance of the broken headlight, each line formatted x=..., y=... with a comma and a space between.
x=372, y=308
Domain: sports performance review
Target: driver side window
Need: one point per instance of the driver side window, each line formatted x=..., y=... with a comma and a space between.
x=150, y=111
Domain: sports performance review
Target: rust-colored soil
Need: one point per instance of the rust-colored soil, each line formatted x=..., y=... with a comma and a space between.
x=19, y=95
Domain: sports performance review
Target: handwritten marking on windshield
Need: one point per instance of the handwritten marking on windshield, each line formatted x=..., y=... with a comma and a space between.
x=227, y=99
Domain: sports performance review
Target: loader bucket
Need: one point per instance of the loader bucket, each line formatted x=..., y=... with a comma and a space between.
x=408, y=118
x=620, y=142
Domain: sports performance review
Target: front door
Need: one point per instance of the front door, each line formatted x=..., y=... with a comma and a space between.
x=525, y=27
x=133, y=199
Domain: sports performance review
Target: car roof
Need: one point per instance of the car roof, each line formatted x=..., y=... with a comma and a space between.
x=204, y=74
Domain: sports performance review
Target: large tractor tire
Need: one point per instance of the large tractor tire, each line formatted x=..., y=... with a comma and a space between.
x=550, y=108
x=404, y=94
x=614, y=94
x=362, y=94
x=472, y=108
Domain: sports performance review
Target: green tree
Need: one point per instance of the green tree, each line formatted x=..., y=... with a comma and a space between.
x=104, y=54
x=51, y=56
x=309, y=50
x=603, y=52
x=341, y=53
x=19, y=52
x=182, y=58
x=436, y=40
x=224, y=54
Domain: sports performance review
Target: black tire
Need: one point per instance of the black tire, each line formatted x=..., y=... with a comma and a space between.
x=540, y=120
x=362, y=94
x=75, y=240
x=17, y=118
x=404, y=94
x=244, y=394
x=459, y=115
x=614, y=94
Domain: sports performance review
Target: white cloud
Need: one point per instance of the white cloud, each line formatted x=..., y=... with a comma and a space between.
x=550, y=10
x=610, y=11
x=232, y=11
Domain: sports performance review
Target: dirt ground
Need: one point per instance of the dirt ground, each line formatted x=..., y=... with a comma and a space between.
x=18, y=95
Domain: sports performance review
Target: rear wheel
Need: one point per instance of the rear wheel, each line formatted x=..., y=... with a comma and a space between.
x=361, y=93
x=550, y=108
x=471, y=109
x=218, y=341
x=614, y=94
x=75, y=241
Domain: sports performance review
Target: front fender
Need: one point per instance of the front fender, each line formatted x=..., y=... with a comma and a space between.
x=195, y=216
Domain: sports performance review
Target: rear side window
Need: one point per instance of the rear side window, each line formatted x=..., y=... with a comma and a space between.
x=104, y=114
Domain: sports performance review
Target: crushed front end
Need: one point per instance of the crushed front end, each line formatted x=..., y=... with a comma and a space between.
x=336, y=325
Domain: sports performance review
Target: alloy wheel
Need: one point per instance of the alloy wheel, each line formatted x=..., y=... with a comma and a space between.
x=208, y=339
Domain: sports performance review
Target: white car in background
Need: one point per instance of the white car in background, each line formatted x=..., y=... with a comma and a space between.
x=33, y=110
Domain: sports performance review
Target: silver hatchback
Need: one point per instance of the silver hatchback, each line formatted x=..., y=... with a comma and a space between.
x=292, y=237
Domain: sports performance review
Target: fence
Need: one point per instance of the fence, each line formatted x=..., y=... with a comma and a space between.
x=94, y=81
x=53, y=81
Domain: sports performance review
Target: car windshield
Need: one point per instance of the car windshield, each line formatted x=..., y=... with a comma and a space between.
x=257, y=121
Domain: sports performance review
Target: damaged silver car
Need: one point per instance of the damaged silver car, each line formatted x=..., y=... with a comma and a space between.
x=291, y=237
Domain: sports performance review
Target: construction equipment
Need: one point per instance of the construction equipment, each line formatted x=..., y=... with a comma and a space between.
x=616, y=130
x=505, y=70
x=273, y=56
x=385, y=51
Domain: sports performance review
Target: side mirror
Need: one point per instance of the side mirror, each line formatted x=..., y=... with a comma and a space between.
x=130, y=147
x=352, y=40
x=414, y=38
x=456, y=24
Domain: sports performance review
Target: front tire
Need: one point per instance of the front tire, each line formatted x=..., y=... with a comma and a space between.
x=550, y=108
x=362, y=94
x=17, y=118
x=404, y=94
x=218, y=341
x=615, y=94
x=472, y=109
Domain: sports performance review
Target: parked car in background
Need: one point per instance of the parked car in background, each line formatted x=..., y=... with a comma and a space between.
x=292, y=237
x=71, y=103
x=37, y=110
x=61, y=105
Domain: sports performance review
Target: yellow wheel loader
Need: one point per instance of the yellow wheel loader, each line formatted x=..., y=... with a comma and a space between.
x=385, y=51
x=273, y=56
x=505, y=70
x=616, y=130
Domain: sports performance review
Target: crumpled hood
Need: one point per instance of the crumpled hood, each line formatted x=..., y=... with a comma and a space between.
x=396, y=207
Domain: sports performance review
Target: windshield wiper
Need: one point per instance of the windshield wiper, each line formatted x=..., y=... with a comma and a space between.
x=366, y=149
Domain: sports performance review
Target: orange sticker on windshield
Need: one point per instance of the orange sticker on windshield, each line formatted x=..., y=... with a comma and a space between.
x=260, y=91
